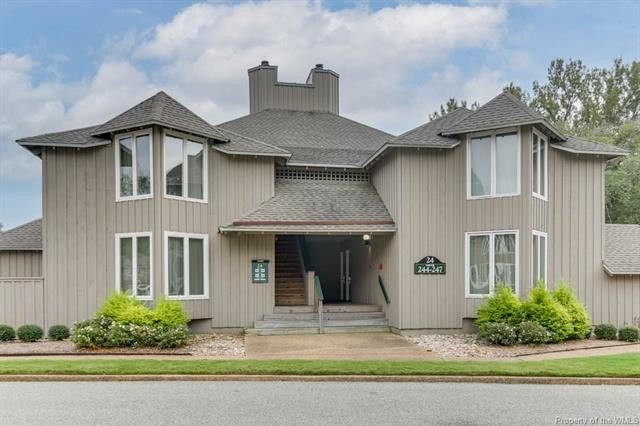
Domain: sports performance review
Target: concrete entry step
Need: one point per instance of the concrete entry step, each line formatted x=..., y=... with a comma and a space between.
x=327, y=316
x=327, y=330
x=338, y=307
x=350, y=322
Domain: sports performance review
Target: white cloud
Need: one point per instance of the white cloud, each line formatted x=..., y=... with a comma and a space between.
x=27, y=109
x=390, y=62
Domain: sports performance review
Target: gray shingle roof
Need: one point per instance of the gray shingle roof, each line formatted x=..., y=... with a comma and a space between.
x=584, y=146
x=429, y=134
x=504, y=110
x=319, y=202
x=238, y=144
x=622, y=249
x=73, y=138
x=312, y=137
x=24, y=237
x=164, y=110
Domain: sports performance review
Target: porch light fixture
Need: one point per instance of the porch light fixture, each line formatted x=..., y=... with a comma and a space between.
x=367, y=239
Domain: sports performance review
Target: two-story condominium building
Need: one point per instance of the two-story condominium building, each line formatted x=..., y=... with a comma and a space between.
x=254, y=222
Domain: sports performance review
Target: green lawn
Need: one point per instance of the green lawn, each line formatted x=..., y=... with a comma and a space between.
x=627, y=365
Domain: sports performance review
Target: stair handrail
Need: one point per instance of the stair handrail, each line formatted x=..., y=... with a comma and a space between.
x=384, y=290
x=304, y=251
x=320, y=295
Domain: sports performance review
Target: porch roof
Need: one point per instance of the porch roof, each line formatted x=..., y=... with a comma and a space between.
x=317, y=207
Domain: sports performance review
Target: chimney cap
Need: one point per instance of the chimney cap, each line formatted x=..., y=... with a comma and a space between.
x=319, y=66
x=264, y=63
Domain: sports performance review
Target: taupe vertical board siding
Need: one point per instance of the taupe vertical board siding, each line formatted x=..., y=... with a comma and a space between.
x=576, y=240
x=427, y=198
x=386, y=249
x=21, y=263
x=82, y=218
x=21, y=301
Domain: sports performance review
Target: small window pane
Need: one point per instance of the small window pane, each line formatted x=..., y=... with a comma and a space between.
x=176, y=266
x=126, y=167
x=505, y=260
x=507, y=163
x=143, y=164
x=543, y=168
x=481, y=166
x=195, y=153
x=173, y=165
x=126, y=264
x=196, y=267
x=543, y=258
x=143, y=252
x=479, y=267
x=535, y=265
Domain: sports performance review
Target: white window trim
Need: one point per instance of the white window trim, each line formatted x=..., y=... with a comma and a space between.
x=467, y=273
x=544, y=139
x=133, y=136
x=546, y=255
x=134, y=251
x=205, y=168
x=492, y=166
x=185, y=237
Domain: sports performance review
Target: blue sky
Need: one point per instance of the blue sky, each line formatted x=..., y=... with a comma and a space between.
x=70, y=64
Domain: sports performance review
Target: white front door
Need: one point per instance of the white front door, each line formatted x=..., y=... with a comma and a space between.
x=345, y=276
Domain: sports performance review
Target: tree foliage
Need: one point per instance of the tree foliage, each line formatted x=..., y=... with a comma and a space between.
x=452, y=105
x=600, y=104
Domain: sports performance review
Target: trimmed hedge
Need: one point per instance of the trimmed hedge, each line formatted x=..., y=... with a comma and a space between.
x=6, y=333
x=542, y=308
x=580, y=320
x=58, y=332
x=629, y=333
x=605, y=331
x=532, y=333
x=502, y=307
x=30, y=333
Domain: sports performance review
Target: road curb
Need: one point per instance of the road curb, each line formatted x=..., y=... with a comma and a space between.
x=634, y=381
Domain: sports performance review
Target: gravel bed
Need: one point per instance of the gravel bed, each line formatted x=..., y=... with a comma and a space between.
x=214, y=345
x=468, y=346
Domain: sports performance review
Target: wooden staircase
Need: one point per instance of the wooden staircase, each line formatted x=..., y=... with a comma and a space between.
x=338, y=318
x=288, y=279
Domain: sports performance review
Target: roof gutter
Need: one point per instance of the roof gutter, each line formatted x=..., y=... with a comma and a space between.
x=553, y=130
x=382, y=150
x=575, y=151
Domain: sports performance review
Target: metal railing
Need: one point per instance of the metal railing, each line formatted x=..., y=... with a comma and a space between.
x=320, y=296
x=384, y=290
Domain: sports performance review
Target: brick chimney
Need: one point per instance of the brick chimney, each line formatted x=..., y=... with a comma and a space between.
x=320, y=92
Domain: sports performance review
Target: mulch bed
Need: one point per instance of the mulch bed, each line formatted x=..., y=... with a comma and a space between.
x=214, y=345
x=468, y=346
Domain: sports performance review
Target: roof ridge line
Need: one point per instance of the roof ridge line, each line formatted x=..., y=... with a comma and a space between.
x=253, y=140
x=20, y=226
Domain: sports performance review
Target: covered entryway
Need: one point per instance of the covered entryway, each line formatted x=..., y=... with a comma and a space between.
x=325, y=275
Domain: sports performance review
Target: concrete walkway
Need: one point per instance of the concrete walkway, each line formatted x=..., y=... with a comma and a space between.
x=387, y=346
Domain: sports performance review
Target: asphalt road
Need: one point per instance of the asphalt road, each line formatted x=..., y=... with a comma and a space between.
x=295, y=403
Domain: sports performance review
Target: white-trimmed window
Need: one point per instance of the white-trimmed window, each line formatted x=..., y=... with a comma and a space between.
x=491, y=259
x=539, y=164
x=539, y=257
x=185, y=167
x=134, y=166
x=493, y=164
x=186, y=265
x=134, y=264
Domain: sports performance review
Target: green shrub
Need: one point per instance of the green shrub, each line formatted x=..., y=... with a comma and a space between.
x=6, y=333
x=126, y=309
x=104, y=332
x=532, y=333
x=542, y=308
x=629, y=333
x=170, y=313
x=58, y=332
x=580, y=320
x=497, y=333
x=501, y=307
x=605, y=331
x=30, y=333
